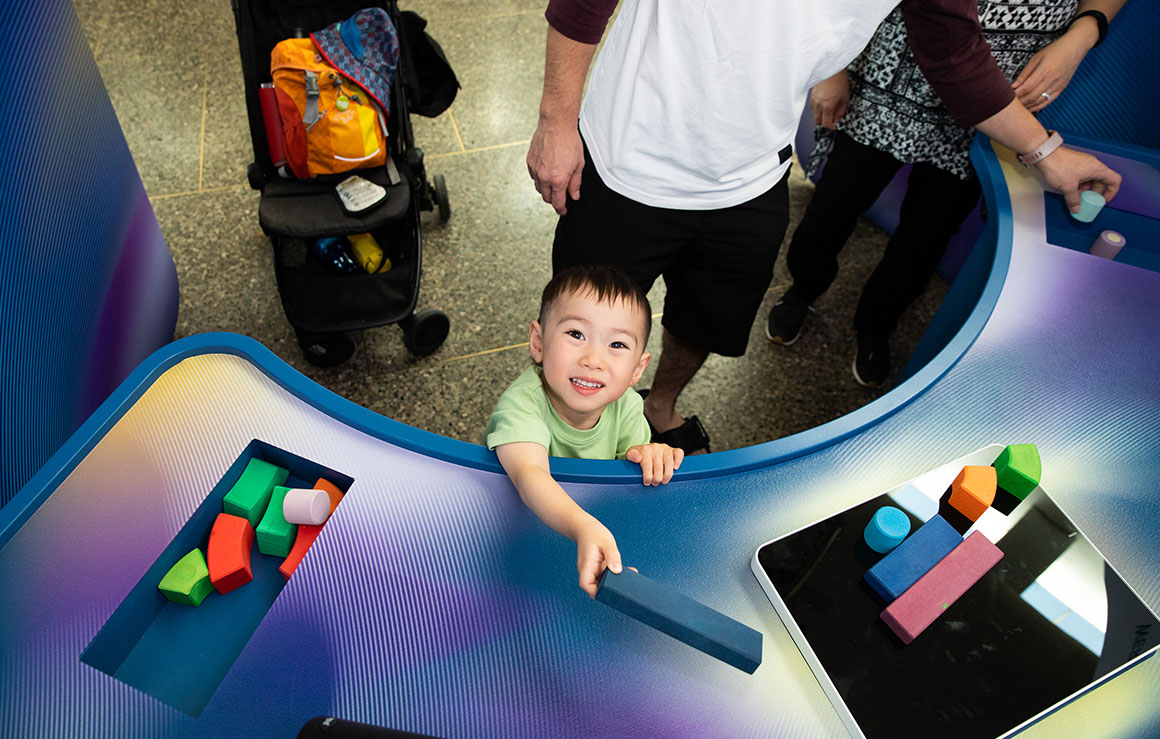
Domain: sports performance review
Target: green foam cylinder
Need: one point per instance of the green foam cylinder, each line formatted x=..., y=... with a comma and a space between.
x=250, y=495
x=275, y=534
x=187, y=582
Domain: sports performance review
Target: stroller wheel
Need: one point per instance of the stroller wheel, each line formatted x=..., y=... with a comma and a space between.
x=326, y=350
x=425, y=331
x=441, y=198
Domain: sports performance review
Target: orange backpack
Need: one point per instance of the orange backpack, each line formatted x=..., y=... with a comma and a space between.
x=330, y=125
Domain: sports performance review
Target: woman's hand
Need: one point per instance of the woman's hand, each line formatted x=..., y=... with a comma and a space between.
x=829, y=99
x=1048, y=73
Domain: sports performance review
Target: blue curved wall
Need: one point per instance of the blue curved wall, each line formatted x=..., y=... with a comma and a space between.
x=87, y=286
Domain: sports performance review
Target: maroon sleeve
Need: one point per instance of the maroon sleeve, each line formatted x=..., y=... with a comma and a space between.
x=948, y=44
x=580, y=20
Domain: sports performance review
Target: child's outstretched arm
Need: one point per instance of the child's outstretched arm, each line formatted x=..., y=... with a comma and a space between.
x=527, y=465
x=657, y=462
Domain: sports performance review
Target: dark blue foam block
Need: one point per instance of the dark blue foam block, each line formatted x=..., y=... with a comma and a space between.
x=681, y=617
x=897, y=571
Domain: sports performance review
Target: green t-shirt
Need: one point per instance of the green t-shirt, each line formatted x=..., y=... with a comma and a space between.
x=524, y=413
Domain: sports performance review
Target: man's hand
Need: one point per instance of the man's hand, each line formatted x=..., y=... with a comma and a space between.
x=1071, y=172
x=829, y=99
x=595, y=550
x=556, y=154
x=555, y=161
x=657, y=461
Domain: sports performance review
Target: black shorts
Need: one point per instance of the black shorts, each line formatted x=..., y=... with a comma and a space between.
x=717, y=264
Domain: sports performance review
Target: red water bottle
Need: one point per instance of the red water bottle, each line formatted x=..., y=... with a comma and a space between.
x=273, y=120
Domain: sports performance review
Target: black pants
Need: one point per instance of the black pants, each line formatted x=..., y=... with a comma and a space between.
x=717, y=264
x=935, y=204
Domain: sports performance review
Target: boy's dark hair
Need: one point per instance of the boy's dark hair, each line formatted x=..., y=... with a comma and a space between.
x=608, y=283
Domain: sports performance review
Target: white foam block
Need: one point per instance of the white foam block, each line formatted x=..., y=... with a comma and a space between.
x=306, y=506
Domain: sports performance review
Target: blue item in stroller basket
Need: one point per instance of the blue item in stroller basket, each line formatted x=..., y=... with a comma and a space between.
x=332, y=254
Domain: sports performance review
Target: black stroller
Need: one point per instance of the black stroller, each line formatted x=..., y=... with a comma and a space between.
x=325, y=308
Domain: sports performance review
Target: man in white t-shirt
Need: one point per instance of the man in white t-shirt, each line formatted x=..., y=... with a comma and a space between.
x=684, y=143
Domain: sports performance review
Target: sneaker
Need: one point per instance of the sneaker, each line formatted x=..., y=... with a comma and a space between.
x=786, y=318
x=872, y=360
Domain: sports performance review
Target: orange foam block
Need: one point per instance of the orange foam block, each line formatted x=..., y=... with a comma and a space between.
x=973, y=491
x=331, y=490
x=230, y=542
x=306, y=536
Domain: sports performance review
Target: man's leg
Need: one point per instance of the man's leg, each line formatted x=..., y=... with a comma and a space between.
x=676, y=365
x=713, y=292
x=604, y=227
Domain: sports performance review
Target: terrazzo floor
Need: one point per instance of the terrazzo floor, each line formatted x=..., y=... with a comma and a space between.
x=176, y=85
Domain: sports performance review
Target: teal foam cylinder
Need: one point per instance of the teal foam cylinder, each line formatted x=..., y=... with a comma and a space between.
x=1090, y=205
x=886, y=529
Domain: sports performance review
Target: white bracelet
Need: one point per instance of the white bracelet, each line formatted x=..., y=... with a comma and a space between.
x=1039, y=153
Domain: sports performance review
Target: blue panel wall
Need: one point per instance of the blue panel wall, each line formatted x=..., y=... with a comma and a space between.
x=87, y=285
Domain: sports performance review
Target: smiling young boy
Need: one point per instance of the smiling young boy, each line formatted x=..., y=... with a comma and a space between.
x=577, y=401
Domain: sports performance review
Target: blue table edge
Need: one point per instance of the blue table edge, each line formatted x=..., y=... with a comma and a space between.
x=24, y=504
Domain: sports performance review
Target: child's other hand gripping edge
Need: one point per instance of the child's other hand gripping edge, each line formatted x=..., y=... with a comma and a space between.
x=657, y=462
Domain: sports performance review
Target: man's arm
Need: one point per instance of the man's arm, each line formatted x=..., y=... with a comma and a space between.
x=947, y=42
x=556, y=154
x=526, y=463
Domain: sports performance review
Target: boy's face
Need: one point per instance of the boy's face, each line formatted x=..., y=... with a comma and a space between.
x=590, y=352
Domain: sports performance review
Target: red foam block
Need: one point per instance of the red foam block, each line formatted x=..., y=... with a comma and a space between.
x=306, y=536
x=941, y=586
x=228, y=555
x=331, y=490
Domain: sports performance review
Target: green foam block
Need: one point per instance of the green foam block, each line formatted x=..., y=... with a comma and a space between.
x=1017, y=469
x=275, y=534
x=250, y=495
x=187, y=582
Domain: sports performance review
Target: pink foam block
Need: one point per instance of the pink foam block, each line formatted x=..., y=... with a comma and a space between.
x=941, y=586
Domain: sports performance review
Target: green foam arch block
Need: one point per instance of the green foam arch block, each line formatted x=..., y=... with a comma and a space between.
x=187, y=581
x=250, y=495
x=275, y=534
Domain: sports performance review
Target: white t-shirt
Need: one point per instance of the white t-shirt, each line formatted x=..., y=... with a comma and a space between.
x=690, y=101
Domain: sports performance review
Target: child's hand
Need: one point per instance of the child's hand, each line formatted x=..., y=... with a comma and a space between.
x=657, y=461
x=595, y=550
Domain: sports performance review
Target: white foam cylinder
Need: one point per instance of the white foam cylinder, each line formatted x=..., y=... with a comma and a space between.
x=305, y=506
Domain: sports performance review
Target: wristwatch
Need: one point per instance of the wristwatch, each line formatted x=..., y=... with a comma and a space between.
x=1036, y=155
